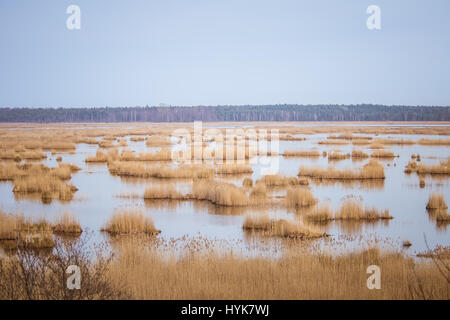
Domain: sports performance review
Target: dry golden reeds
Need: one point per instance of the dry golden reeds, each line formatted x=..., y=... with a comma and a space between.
x=437, y=169
x=276, y=180
x=247, y=183
x=232, y=168
x=353, y=210
x=157, y=141
x=224, y=194
x=382, y=154
x=302, y=153
x=319, y=213
x=67, y=224
x=434, y=142
x=372, y=170
x=163, y=191
x=300, y=197
x=337, y=155
x=130, y=222
x=161, y=171
x=436, y=201
x=359, y=154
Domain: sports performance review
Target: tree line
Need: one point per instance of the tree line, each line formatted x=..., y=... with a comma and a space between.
x=363, y=112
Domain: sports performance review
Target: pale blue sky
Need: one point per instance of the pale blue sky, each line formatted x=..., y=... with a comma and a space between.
x=210, y=52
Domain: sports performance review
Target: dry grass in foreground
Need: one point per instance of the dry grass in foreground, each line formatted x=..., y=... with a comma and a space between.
x=298, y=274
x=130, y=222
x=372, y=170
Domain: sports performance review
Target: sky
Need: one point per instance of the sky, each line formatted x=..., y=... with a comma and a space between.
x=227, y=52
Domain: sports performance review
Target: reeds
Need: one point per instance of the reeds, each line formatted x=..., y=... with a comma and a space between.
x=319, y=213
x=359, y=154
x=257, y=221
x=34, y=233
x=436, y=201
x=49, y=187
x=302, y=153
x=259, y=190
x=234, y=169
x=337, y=155
x=163, y=191
x=102, y=156
x=400, y=142
x=219, y=193
x=276, y=180
x=130, y=222
x=434, y=142
x=382, y=154
x=442, y=168
x=162, y=155
x=372, y=170
x=353, y=210
x=67, y=224
x=247, y=183
x=334, y=142
x=157, y=141
x=297, y=274
x=139, y=170
x=279, y=228
x=300, y=197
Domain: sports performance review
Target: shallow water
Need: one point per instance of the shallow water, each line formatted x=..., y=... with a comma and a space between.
x=99, y=196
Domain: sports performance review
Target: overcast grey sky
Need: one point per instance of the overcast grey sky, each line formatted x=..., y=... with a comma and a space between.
x=210, y=52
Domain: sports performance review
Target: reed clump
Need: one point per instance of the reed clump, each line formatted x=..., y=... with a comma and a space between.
x=259, y=191
x=129, y=169
x=359, y=154
x=443, y=168
x=130, y=222
x=371, y=170
x=157, y=141
x=232, y=168
x=300, y=197
x=382, y=154
x=247, y=183
x=352, y=209
x=276, y=180
x=257, y=221
x=102, y=156
x=434, y=142
x=334, y=142
x=163, y=191
x=436, y=201
x=279, y=228
x=337, y=155
x=67, y=223
x=219, y=193
x=48, y=186
x=302, y=153
x=319, y=213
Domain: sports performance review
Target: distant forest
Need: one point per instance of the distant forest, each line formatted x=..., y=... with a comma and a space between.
x=228, y=113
